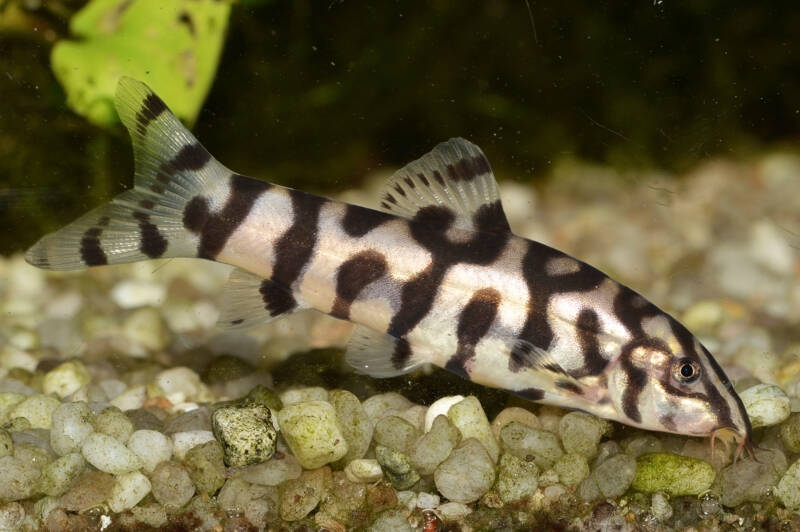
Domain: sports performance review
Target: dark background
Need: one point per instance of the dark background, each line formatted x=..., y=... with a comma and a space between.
x=315, y=95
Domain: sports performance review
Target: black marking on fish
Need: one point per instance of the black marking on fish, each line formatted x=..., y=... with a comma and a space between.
x=358, y=221
x=353, y=276
x=668, y=422
x=467, y=169
x=146, y=204
x=277, y=298
x=190, y=157
x=215, y=229
x=588, y=327
x=410, y=182
x=151, y=242
x=474, y=322
x=490, y=218
x=531, y=394
x=637, y=378
x=152, y=107
x=295, y=247
x=92, y=253
x=541, y=288
x=569, y=386
x=196, y=214
x=401, y=354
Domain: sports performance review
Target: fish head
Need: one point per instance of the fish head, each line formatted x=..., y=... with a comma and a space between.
x=666, y=380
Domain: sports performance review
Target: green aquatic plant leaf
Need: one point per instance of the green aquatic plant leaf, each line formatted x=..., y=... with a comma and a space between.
x=173, y=46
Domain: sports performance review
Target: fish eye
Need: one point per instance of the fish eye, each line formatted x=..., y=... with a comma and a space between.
x=686, y=371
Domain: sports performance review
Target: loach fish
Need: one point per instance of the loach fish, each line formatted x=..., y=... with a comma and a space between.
x=435, y=276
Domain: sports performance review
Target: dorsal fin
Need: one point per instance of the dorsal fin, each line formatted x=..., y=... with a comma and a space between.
x=250, y=300
x=455, y=175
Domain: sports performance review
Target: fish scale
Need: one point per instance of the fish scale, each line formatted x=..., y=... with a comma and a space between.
x=434, y=276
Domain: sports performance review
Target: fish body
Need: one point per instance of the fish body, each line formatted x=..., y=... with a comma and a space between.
x=434, y=276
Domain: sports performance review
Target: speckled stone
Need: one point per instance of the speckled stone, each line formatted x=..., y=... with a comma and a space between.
x=245, y=432
x=516, y=478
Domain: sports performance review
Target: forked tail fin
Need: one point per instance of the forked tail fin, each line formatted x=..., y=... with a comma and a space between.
x=147, y=221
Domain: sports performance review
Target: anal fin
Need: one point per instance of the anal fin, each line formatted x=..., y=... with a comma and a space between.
x=379, y=354
x=251, y=300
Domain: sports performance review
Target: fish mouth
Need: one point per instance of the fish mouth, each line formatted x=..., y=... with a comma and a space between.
x=728, y=435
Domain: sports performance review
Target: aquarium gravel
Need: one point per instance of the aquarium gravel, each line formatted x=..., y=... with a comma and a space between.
x=121, y=403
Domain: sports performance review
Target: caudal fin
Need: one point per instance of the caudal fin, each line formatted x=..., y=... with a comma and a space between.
x=146, y=222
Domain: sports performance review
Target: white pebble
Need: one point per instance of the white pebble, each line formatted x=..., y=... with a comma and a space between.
x=112, y=387
x=470, y=419
x=660, y=507
x=132, y=293
x=130, y=399
x=65, y=378
x=151, y=446
x=301, y=395
x=273, y=472
x=440, y=406
x=128, y=491
x=11, y=516
x=427, y=501
x=454, y=510
x=183, y=441
x=107, y=454
x=181, y=384
x=38, y=409
x=11, y=357
x=363, y=470
x=766, y=404
x=71, y=424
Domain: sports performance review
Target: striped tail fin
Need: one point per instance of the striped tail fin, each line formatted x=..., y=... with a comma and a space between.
x=146, y=222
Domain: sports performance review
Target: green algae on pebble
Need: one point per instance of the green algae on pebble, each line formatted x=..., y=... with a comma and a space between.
x=672, y=474
x=313, y=433
x=397, y=467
